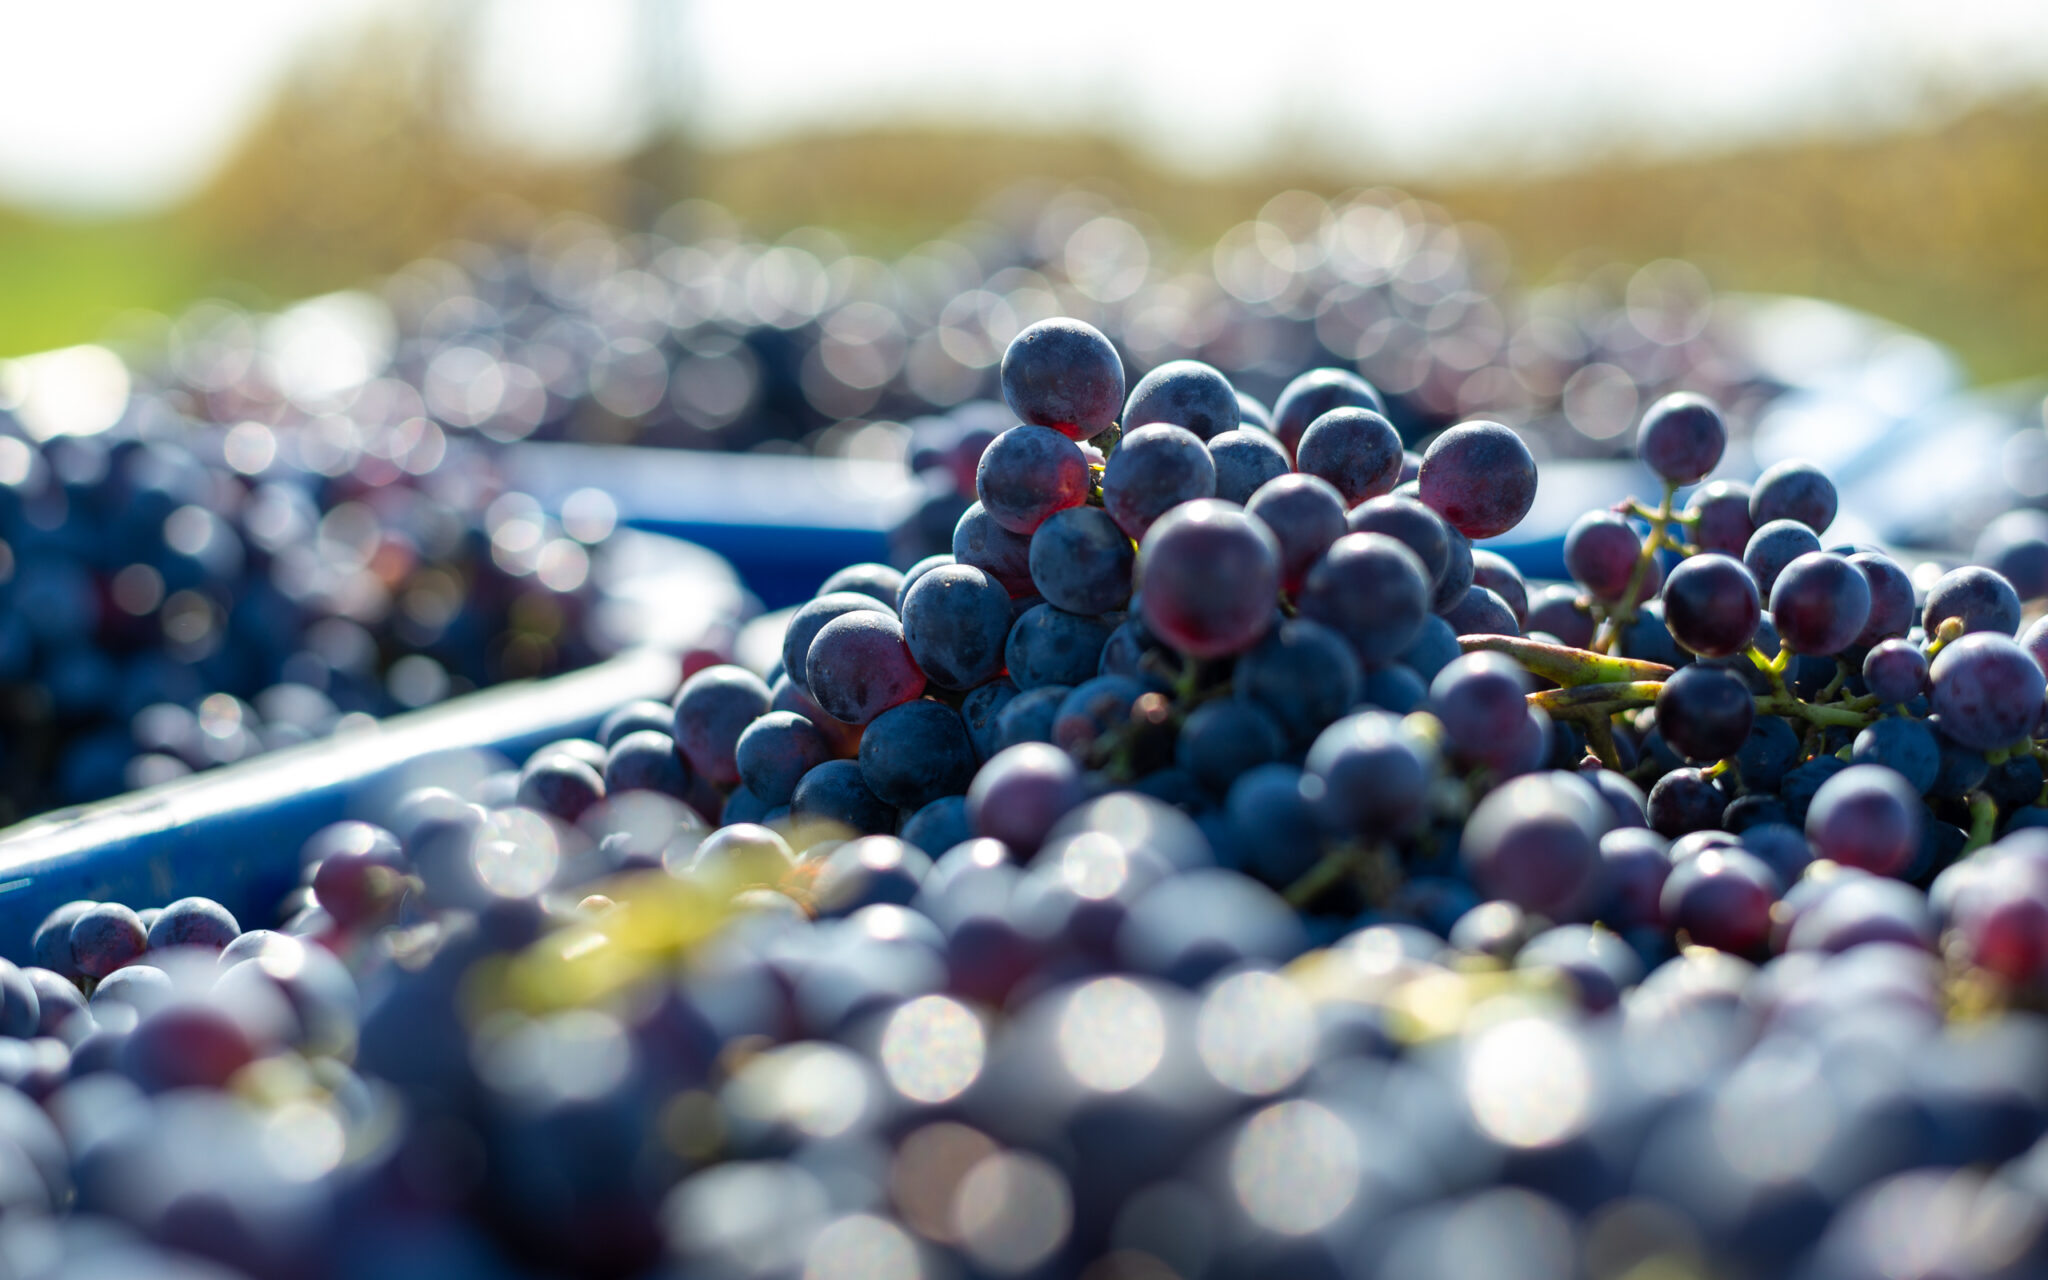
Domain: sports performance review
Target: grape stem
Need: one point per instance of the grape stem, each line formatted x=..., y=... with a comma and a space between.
x=1601, y=700
x=1623, y=611
x=1350, y=859
x=1983, y=819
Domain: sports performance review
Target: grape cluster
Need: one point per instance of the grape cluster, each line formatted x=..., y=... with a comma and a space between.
x=1156, y=883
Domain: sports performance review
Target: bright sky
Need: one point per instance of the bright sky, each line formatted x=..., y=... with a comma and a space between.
x=119, y=104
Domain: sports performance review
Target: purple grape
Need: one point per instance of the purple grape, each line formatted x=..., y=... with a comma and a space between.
x=1535, y=841
x=810, y=618
x=1479, y=477
x=1415, y=526
x=979, y=541
x=1635, y=864
x=2015, y=546
x=843, y=738
x=1314, y=394
x=1154, y=470
x=980, y=709
x=1891, y=598
x=776, y=751
x=1028, y=717
x=1303, y=674
x=1081, y=562
x=1684, y=801
x=1718, y=517
x=1434, y=648
x=837, y=792
x=1356, y=450
x=858, y=668
x=1245, y=459
x=955, y=621
x=1987, y=691
x=1064, y=374
x=1208, y=575
x=938, y=826
x=1599, y=966
x=1092, y=708
x=1819, y=604
x=1481, y=700
x=914, y=754
x=1555, y=611
x=916, y=571
x=1682, y=438
x=877, y=580
x=1456, y=579
x=1865, y=817
x=1186, y=394
x=1498, y=574
x=1482, y=613
x=1051, y=646
x=1222, y=739
x=1721, y=899
x=1601, y=551
x=202, y=922
x=1705, y=713
x=1306, y=515
x=870, y=871
x=1980, y=598
x=642, y=713
x=1021, y=793
x=1029, y=473
x=1895, y=671
x=1906, y=747
x=1252, y=412
x=1793, y=490
x=1772, y=547
x=712, y=709
x=1711, y=606
x=1370, y=589
x=559, y=785
x=1375, y=775
x=105, y=937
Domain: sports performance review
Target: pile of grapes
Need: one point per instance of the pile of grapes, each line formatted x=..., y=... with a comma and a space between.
x=1213, y=865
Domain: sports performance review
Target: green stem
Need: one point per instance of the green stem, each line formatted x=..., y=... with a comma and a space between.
x=1330, y=869
x=1983, y=818
x=1623, y=611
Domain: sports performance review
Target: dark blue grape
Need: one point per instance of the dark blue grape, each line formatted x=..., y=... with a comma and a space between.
x=1457, y=576
x=1394, y=687
x=1314, y=394
x=1064, y=374
x=1154, y=470
x=1772, y=547
x=1555, y=611
x=1479, y=477
x=1721, y=899
x=559, y=785
x=1891, y=598
x=1601, y=551
x=1273, y=821
x=1021, y=793
x=1534, y=841
x=1682, y=438
x=1482, y=613
x=50, y=947
x=1187, y=394
x=859, y=667
x=1819, y=604
x=1598, y=965
x=1793, y=490
x=1374, y=776
x=956, y=619
x=1028, y=717
x=810, y=618
x=1306, y=515
x=1370, y=589
x=1779, y=846
x=1684, y=801
x=1481, y=700
x=1625, y=798
x=843, y=738
x=1208, y=575
x=979, y=710
x=777, y=750
x=913, y=754
x=2015, y=546
x=1052, y=646
x=1768, y=753
x=1412, y=524
x=1906, y=747
x=1980, y=598
x=1800, y=785
x=979, y=541
x=1711, y=606
x=104, y=937
x=1705, y=713
x=1225, y=737
x=1356, y=450
x=1498, y=574
x=1895, y=671
x=712, y=709
x=916, y=571
x=1303, y=674
x=1027, y=474
x=1435, y=647
x=879, y=581
x=647, y=760
x=644, y=713
x=1865, y=817
x=2013, y=783
x=1093, y=708
x=938, y=826
x=1130, y=648
x=1252, y=412
x=870, y=871
x=1987, y=691
x=197, y=922
x=1634, y=865
x=1649, y=639
x=1081, y=561
x=1245, y=459
x=1188, y=928
x=837, y=791
x=1717, y=517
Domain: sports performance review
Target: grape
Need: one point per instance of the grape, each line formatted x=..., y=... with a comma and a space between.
x=1481, y=700
x=1245, y=459
x=956, y=620
x=1891, y=598
x=2015, y=546
x=938, y=826
x=1130, y=649
x=775, y=752
x=1413, y=525
x=1306, y=515
x=1980, y=598
x=1768, y=753
x=1772, y=547
x=1684, y=801
x=1987, y=691
x=1220, y=740
x=1456, y=579
x=1093, y=708
x=1314, y=394
x=743, y=853
x=873, y=871
x=837, y=791
x=810, y=617
x=560, y=786
x=1906, y=747
x=1154, y=470
x=1021, y=793
x=1682, y=438
x=843, y=738
x=1819, y=604
x=1187, y=394
x=913, y=754
x=1793, y=490
x=642, y=713
x=1555, y=611
x=2014, y=783
x=1479, y=477
x=1273, y=820
x=1371, y=590
x=1599, y=966
x=1063, y=374
x=1498, y=574
x=1029, y=716
x=1535, y=842
x=982, y=543
x=202, y=922
x=1865, y=817
x=104, y=937
x=1188, y=928
x=712, y=709
x=1705, y=714
x=877, y=580
x=1895, y=671
x=1435, y=647
x=1081, y=561
x=1356, y=450
x=1482, y=613
x=1711, y=606
x=1252, y=412
x=1051, y=646
x=916, y=571
x=1028, y=474
x=647, y=760
x=1375, y=775
x=1635, y=864
x=1303, y=674
x=859, y=667
x=1721, y=899
x=1396, y=688
x=1717, y=517
x=1207, y=577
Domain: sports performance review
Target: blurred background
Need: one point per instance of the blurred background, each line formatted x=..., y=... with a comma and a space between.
x=1889, y=154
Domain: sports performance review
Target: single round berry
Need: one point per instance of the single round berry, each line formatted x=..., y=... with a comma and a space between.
x=1682, y=438
x=1601, y=551
x=1306, y=515
x=858, y=668
x=1208, y=575
x=1081, y=561
x=1705, y=713
x=1772, y=547
x=1711, y=606
x=1895, y=671
x=713, y=708
x=1314, y=394
x=1154, y=470
x=956, y=618
x=1064, y=374
x=1891, y=598
x=1987, y=691
x=1820, y=603
x=1371, y=590
x=1356, y=450
x=104, y=937
x=1028, y=473
x=1983, y=601
x=1479, y=477
x=1245, y=459
x=1717, y=517
x=1793, y=490
x=1865, y=817
x=1187, y=394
